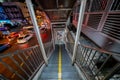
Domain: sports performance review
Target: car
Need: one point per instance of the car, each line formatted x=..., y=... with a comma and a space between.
x=28, y=27
x=25, y=38
x=4, y=46
x=12, y=36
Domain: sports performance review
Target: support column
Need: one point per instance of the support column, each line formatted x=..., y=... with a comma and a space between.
x=53, y=39
x=79, y=26
x=37, y=31
x=105, y=15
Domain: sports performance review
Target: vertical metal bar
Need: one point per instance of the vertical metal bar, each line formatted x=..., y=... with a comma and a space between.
x=76, y=14
x=52, y=36
x=82, y=54
x=40, y=54
x=96, y=61
x=88, y=56
x=115, y=3
x=29, y=61
x=37, y=56
x=81, y=50
x=57, y=4
x=92, y=58
x=37, y=31
x=85, y=54
x=118, y=6
x=32, y=59
x=87, y=15
x=79, y=54
x=79, y=26
x=25, y=63
x=19, y=66
x=104, y=16
x=71, y=48
x=103, y=64
x=11, y=69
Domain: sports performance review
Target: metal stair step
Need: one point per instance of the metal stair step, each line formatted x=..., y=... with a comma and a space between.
x=49, y=75
x=57, y=79
x=65, y=75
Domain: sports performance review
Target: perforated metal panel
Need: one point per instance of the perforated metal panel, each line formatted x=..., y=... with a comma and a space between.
x=112, y=26
x=94, y=20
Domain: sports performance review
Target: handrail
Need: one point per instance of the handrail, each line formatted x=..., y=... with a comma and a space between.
x=21, y=64
x=98, y=49
x=8, y=54
x=93, y=61
x=101, y=50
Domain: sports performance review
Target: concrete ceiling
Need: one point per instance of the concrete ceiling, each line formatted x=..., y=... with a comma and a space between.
x=57, y=10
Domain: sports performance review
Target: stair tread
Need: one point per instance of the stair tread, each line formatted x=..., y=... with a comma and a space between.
x=57, y=79
x=64, y=75
x=51, y=71
x=63, y=69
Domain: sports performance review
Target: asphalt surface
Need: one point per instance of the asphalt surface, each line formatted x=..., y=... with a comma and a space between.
x=46, y=37
x=16, y=46
x=32, y=42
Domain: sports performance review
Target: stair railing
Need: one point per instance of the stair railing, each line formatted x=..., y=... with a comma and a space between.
x=49, y=47
x=22, y=64
x=96, y=64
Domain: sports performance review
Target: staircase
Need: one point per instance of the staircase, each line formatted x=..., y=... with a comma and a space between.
x=51, y=72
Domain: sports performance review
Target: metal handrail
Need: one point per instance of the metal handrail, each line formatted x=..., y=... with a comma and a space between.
x=92, y=61
x=48, y=47
x=98, y=49
x=8, y=54
x=21, y=64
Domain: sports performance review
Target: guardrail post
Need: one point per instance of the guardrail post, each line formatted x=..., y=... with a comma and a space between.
x=79, y=26
x=37, y=31
x=53, y=40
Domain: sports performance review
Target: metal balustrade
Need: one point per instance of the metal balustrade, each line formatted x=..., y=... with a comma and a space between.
x=48, y=47
x=22, y=64
x=96, y=64
x=70, y=48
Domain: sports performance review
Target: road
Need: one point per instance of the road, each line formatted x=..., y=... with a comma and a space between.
x=32, y=42
x=16, y=46
x=29, y=59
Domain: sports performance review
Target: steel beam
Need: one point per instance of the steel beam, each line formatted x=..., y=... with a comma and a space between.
x=37, y=31
x=63, y=9
x=79, y=26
